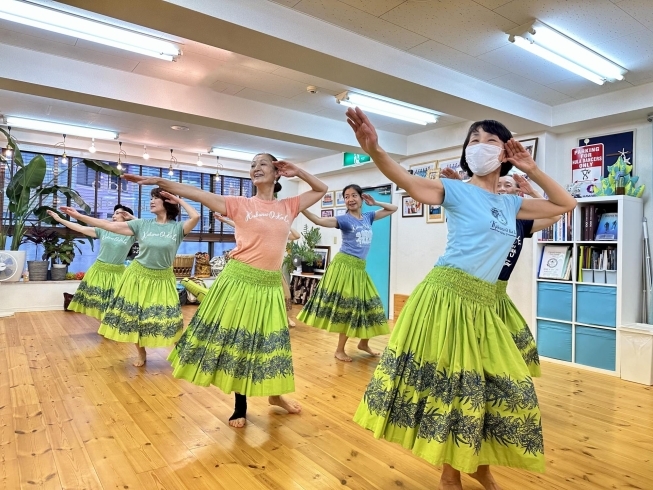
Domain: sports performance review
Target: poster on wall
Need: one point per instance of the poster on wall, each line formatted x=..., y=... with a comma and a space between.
x=587, y=167
x=614, y=145
x=453, y=164
x=427, y=170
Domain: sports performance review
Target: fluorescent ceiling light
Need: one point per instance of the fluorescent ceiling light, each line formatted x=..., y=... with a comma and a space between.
x=83, y=28
x=51, y=127
x=387, y=107
x=235, y=154
x=557, y=48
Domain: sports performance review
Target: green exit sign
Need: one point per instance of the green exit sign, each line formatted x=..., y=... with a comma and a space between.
x=351, y=159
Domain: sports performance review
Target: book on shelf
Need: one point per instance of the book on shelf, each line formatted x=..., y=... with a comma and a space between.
x=607, y=228
x=555, y=262
x=561, y=231
x=593, y=257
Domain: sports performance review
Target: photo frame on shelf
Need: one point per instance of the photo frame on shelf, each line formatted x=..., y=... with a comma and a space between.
x=410, y=208
x=341, y=211
x=340, y=199
x=327, y=213
x=434, y=213
x=324, y=251
x=327, y=200
x=453, y=164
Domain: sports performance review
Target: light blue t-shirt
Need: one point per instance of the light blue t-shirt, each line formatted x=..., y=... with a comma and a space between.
x=481, y=229
x=356, y=234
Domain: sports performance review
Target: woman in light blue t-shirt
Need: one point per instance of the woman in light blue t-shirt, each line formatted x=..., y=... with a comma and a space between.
x=452, y=385
x=346, y=301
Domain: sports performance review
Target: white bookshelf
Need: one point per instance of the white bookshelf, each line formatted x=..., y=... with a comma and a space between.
x=627, y=292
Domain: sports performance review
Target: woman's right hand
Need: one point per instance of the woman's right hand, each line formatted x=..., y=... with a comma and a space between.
x=364, y=130
x=220, y=218
x=141, y=180
x=72, y=212
x=449, y=173
x=54, y=216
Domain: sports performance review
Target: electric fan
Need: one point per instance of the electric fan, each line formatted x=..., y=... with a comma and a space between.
x=8, y=267
x=296, y=261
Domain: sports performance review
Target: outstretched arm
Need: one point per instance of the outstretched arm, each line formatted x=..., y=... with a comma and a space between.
x=526, y=187
x=326, y=222
x=427, y=191
x=387, y=210
x=294, y=235
x=559, y=201
x=114, y=226
x=318, y=188
x=224, y=219
x=214, y=202
x=85, y=230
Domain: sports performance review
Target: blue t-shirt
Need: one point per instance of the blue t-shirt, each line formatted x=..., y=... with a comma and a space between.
x=481, y=229
x=356, y=234
x=524, y=227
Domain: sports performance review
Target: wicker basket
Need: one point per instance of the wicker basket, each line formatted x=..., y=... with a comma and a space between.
x=183, y=265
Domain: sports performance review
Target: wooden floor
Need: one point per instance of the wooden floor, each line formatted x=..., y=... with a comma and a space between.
x=74, y=413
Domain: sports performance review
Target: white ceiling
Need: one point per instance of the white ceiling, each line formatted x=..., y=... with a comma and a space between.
x=469, y=36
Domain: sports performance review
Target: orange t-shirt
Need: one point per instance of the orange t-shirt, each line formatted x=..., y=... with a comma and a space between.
x=262, y=229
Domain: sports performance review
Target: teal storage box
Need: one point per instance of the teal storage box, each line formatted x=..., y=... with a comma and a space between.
x=554, y=300
x=554, y=340
x=596, y=347
x=596, y=305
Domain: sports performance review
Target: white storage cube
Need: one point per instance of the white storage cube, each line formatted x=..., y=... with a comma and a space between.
x=636, y=340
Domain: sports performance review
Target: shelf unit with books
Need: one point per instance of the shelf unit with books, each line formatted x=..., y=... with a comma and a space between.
x=574, y=321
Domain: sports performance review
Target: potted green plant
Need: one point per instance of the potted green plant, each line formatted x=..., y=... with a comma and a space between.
x=60, y=250
x=38, y=235
x=306, y=250
x=25, y=191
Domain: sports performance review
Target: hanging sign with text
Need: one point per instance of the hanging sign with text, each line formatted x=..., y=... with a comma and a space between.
x=587, y=163
x=351, y=159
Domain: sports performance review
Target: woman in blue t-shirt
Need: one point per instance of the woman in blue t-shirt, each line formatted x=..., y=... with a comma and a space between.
x=346, y=301
x=452, y=385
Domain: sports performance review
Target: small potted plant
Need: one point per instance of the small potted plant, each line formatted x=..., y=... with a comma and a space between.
x=306, y=251
x=38, y=235
x=60, y=250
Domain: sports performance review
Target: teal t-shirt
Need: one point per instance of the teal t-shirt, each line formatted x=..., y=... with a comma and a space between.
x=158, y=243
x=114, y=248
x=481, y=229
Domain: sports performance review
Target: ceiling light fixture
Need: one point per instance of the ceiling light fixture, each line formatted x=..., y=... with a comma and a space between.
x=64, y=157
x=199, y=160
x=77, y=26
x=91, y=148
x=52, y=127
x=235, y=154
x=180, y=128
x=553, y=46
x=146, y=155
x=121, y=154
x=172, y=160
x=387, y=107
x=218, y=165
x=9, y=152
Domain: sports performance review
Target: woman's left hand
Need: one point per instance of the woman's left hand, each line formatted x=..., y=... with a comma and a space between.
x=171, y=197
x=369, y=200
x=287, y=169
x=519, y=157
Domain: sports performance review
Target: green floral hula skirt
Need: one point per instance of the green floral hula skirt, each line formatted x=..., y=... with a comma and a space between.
x=346, y=301
x=96, y=290
x=238, y=339
x=518, y=328
x=145, y=308
x=451, y=384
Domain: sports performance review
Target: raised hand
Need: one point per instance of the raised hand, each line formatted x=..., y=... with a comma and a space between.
x=54, y=216
x=286, y=169
x=369, y=200
x=364, y=130
x=140, y=180
x=72, y=212
x=171, y=198
x=449, y=173
x=523, y=184
x=519, y=157
x=126, y=215
x=220, y=217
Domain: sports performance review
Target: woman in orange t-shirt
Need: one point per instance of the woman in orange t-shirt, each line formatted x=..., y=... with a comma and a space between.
x=238, y=339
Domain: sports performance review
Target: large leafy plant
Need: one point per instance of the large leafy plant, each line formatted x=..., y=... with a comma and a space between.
x=304, y=250
x=26, y=188
x=60, y=249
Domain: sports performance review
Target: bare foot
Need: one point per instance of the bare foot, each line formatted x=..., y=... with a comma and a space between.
x=366, y=348
x=450, y=485
x=485, y=478
x=238, y=423
x=142, y=357
x=290, y=406
x=291, y=324
x=341, y=356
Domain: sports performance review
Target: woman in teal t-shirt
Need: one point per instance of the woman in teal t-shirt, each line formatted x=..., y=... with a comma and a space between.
x=96, y=289
x=451, y=385
x=145, y=308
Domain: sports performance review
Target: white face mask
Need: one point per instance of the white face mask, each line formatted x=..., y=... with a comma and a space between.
x=482, y=158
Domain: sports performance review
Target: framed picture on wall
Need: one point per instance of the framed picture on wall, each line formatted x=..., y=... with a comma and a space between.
x=530, y=146
x=326, y=213
x=434, y=213
x=453, y=164
x=341, y=211
x=428, y=170
x=327, y=200
x=324, y=252
x=340, y=198
x=410, y=208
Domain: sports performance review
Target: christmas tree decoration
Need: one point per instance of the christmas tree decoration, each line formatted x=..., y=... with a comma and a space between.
x=619, y=180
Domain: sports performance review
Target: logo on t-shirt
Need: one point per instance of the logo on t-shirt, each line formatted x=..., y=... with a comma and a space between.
x=162, y=234
x=498, y=214
x=501, y=227
x=364, y=237
x=119, y=238
x=269, y=215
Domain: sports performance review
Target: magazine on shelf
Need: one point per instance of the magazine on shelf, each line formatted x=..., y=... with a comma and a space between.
x=555, y=262
x=607, y=228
